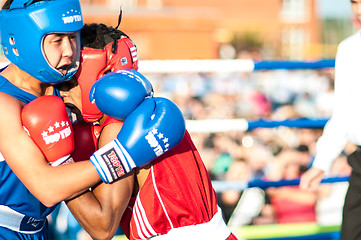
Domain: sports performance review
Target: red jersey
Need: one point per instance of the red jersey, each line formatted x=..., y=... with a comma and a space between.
x=177, y=193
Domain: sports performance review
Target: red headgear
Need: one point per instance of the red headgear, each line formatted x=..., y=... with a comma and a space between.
x=95, y=63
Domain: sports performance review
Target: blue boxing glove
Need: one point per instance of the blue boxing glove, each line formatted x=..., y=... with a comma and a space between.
x=118, y=93
x=153, y=128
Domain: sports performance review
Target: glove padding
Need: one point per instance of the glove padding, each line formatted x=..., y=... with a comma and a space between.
x=46, y=121
x=153, y=128
x=120, y=92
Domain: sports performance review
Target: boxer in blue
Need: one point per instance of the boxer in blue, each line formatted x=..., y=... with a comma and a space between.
x=41, y=40
x=43, y=49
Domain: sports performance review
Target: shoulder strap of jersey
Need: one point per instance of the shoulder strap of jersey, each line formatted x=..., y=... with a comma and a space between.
x=12, y=90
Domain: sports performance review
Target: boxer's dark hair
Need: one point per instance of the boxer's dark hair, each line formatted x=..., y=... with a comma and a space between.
x=98, y=35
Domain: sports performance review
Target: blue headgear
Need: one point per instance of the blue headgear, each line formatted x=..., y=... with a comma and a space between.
x=23, y=28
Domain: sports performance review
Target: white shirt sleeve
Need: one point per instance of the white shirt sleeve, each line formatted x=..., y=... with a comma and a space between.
x=336, y=132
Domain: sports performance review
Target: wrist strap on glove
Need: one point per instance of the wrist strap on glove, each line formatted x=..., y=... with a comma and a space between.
x=112, y=161
x=64, y=160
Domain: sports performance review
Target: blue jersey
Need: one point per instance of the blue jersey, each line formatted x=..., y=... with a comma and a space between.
x=14, y=196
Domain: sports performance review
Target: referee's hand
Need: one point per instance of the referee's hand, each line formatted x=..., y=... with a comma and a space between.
x=311, y=179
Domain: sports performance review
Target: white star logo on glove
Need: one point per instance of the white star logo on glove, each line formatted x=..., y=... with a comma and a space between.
x=51, y=129
x=154, y=131
x=160, y=135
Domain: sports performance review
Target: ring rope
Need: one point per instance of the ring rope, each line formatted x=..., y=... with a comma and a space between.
x=221, y=186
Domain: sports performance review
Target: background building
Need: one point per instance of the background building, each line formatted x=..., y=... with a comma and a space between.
x=211, y=29
x=186, y=29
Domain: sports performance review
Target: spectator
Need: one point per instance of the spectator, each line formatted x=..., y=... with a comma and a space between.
x=290, y=203
x=238, y=171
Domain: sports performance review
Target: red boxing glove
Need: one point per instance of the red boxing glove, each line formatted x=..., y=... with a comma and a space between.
x=46, y=121
x=85, y=140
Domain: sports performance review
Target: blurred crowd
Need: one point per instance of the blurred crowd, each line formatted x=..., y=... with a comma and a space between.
x=262, y=154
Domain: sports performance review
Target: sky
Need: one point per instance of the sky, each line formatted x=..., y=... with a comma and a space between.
x=334, y=8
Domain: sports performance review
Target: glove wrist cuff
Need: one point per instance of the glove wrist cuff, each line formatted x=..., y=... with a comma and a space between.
x=64, y=160
x=112, y=161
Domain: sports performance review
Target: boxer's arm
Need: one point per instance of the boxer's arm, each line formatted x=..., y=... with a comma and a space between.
x=99, y=212
x=153, y=128
x=49, y=184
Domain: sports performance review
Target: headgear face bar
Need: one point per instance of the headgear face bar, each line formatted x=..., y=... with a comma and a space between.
x=24, y=26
